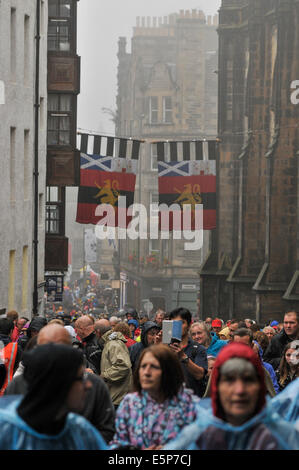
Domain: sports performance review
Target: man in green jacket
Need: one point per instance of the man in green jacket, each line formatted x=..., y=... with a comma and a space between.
x=116, y=368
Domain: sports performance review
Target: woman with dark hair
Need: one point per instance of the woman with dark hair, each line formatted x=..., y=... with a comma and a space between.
x=289, y=365
x=159, y=407
x=46, y=417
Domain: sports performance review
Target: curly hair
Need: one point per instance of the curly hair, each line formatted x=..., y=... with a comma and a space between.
x=262, y=339
x=123, y=328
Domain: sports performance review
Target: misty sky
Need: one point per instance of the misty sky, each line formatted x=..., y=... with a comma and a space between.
x=100, y=24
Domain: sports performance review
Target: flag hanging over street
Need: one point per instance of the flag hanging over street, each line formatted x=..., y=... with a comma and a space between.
x=103, y=180
x=191, y=182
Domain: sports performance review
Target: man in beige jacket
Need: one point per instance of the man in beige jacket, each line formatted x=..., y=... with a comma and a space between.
x=116, y=368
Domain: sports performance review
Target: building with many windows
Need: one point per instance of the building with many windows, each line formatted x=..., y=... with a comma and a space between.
x=23, y=99
x=167, y=91
x=39, y=83
x=62, y=155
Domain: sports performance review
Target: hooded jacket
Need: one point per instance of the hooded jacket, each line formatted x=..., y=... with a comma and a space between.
x=116, y=365
x=216, y=345
x=16, y=434
x=98, y=408
x=49, y=371
x=136, y=349
x=241, y=351
x=266, y=430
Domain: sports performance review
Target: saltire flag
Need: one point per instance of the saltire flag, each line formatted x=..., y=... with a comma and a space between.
x=191, y=182
x=104, y=179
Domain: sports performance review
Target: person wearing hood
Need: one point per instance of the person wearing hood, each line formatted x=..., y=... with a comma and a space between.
x=46, y=418
x=148, y=335
x=134, y=328
x=98, y=408
x=116, y=366
x=238, y=416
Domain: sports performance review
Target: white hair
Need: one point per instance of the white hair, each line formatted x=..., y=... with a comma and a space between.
x=116, y=319
x=237, y=366
x=268, y=328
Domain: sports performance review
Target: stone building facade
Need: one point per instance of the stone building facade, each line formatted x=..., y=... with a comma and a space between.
x=18, y=131
x=167, y=91
x=252, y=269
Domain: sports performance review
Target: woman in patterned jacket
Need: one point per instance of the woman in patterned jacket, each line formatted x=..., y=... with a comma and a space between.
x=160, y=405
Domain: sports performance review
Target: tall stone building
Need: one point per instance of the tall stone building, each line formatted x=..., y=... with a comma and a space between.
x=167, y=91
x=63, y=161
x=23, y=98
x=252, y=270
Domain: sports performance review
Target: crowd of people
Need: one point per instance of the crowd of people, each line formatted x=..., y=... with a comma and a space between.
x=77, y=378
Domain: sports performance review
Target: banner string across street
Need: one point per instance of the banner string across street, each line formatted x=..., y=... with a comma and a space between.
x=108, y=170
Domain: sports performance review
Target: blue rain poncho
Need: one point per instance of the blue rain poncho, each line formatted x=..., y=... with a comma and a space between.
x=274, y=427
x=278, y=422
x=77, y=434
x=286, y=403
x=39, y=420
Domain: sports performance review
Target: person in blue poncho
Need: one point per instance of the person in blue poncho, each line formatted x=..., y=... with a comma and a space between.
x=45, y=418
x=238, y=416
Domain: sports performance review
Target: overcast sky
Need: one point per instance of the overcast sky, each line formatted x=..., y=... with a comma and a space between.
x=100, y=24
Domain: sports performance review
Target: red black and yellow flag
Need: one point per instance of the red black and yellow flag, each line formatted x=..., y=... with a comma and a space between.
x=103, y=180
x=187, y=182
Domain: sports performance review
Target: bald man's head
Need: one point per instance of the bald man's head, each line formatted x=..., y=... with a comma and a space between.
x=84, y=326
x=102, y=322
x=101, y=327
x=54, y=333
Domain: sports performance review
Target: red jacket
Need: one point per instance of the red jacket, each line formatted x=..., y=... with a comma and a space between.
x=130, y=341
x=15, y=335
x=9, y=358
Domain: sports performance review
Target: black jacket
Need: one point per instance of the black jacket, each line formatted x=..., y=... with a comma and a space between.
x=93, y=352
x=274, y=351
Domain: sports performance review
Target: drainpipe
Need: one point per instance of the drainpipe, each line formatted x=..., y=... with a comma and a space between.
x=35, y=171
